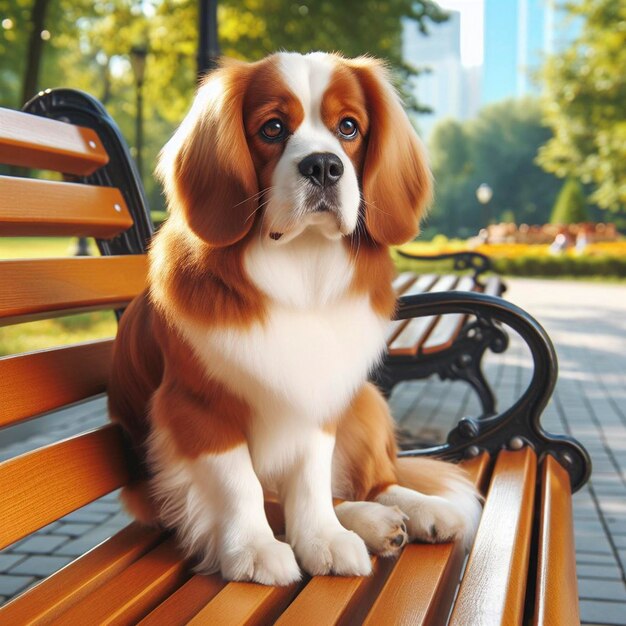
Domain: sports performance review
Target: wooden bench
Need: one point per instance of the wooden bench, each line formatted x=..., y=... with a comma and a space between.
x=521, y=566
x=451, y=346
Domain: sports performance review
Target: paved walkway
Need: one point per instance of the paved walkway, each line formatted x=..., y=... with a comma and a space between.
x=587, y=322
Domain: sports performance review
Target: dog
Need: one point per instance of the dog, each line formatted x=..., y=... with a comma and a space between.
x=243, y=368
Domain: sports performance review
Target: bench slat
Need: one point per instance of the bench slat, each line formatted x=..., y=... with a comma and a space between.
x=41, y=486
x=246, y=603
x=58, y=592
x=329, y=600
x=403, y=280
x=45, y=287
x=494, y=584
x=420, y=587
x=423, y=582
x=30, y=207
x=31, y=384
x=133, y=593
x=186, y=602
x=410, y=285
x=415, y=331
x=448, y=326
x=493, y=287
x=556, y=567
x=32, y=141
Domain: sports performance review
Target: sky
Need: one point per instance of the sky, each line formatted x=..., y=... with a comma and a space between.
x=472, y=24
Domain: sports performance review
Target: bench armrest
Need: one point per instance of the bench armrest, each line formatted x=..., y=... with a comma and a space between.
x=466, y=259
x=520, y=424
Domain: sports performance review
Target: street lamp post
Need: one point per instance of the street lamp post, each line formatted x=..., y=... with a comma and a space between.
x=208, y=46
x=484, y=193
x=138, y=56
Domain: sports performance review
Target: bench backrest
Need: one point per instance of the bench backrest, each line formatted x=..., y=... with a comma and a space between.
x=46, y=484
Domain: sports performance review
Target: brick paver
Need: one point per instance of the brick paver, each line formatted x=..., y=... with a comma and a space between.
x=587, y=322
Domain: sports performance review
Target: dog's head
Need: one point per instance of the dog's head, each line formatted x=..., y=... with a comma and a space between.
x=295, y=142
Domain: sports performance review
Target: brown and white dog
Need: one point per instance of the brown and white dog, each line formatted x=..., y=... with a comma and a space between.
x=244, y=366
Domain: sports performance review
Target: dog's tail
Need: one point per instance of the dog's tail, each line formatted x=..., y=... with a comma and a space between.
x=449, y=481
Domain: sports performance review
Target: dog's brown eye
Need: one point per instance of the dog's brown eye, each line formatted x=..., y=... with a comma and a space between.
x=348, y=128
x=273, y=130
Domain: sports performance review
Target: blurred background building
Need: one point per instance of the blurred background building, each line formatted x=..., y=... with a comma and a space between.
x=486, y=52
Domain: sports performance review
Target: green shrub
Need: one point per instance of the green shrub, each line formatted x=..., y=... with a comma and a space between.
x=570, y=206
x=552, y=266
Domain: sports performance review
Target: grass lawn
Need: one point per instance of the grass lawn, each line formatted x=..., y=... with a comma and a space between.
x=39, y=247
x=61, y=330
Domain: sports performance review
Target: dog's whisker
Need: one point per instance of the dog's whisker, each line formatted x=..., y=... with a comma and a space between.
x=258, y=194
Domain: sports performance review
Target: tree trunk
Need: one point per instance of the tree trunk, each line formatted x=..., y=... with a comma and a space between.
x=35, y=49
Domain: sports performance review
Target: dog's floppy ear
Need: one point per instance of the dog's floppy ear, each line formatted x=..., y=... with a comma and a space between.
x=206, y=167
x=397, y=183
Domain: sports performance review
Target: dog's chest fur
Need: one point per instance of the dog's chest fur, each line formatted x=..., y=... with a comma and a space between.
x=302, y=365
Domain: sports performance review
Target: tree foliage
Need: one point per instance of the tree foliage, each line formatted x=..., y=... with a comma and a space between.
x=90, y=42
x=584, y=105
x=498, y=147
x=571, y=205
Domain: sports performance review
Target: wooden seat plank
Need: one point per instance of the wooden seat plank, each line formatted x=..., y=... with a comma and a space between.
x=445, y=331
x=403, y=280
x=33, y=383
x=41, y=486
x=410, y=285
x=409, y=339
x=494, y=584
x=186, y=601
x=423, y=582
x=556, y=568
x=424, y=283
x=246, y=604
x=330, y=600
x=420, y=587
x=46, y=287
x=58, y=592
x=33, y=141
x=30, y=207
x=493, y=286
x=133, y=593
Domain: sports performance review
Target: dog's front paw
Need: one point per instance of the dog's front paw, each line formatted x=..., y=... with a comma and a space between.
x=435, y=520
x=338, y=551
x=266, y=562
x=381, y=527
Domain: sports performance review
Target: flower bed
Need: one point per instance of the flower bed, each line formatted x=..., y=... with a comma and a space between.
x=517, y=259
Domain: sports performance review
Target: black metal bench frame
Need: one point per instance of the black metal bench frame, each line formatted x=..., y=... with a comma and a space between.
x=514, y=428
x=463, y=359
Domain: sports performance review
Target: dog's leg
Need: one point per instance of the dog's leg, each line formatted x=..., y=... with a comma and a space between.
x=439, y=500
x=215, y=503
x=321, y=543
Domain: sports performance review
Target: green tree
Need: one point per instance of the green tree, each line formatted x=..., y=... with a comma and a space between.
x=584, y=105
x=499, y=148
x=570, y=206
x=90, y=42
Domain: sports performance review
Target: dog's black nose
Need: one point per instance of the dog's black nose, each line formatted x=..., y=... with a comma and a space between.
x=321, y=168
